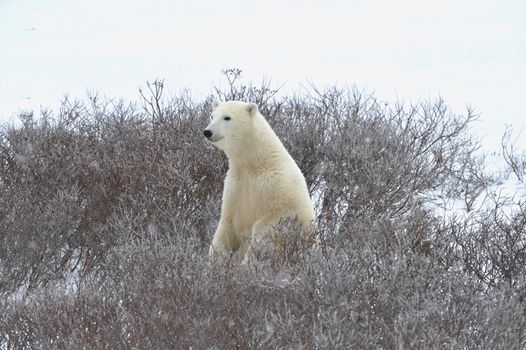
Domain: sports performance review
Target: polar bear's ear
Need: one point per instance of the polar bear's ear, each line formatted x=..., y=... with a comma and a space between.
x=252, y=108
x=215, y=103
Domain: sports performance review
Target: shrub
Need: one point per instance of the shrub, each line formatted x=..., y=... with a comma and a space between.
x=107, y=209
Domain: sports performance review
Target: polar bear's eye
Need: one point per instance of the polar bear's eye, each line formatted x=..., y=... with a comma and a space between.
x=227, y=118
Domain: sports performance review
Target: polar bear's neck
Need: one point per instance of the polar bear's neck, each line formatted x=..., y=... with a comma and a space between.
x=262, y=151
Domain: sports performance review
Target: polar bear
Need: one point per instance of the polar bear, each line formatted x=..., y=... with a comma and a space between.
x=263, y=183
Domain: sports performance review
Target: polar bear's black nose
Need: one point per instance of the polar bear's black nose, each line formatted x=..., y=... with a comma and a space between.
x=207, y=133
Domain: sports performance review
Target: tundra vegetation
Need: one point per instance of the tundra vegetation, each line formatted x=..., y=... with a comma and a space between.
x=107, y=209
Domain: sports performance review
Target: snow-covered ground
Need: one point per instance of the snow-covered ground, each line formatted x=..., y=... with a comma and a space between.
x=469, y=52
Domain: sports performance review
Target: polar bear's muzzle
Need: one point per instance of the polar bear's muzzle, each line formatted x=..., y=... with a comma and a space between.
x=212, y=137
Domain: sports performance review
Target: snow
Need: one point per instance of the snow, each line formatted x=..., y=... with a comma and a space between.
x=470, y=53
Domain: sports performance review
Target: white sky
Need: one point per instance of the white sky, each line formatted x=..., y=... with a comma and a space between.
x=470, y=52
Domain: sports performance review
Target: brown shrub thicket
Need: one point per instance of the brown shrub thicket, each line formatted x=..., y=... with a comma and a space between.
x=107, y=209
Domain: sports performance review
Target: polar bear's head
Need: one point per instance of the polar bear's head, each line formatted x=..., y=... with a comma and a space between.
x=231, y=123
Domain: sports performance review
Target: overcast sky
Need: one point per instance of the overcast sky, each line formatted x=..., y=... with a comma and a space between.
x=469, y=52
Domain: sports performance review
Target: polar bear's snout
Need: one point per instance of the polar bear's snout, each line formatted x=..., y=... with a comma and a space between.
x=212, y=136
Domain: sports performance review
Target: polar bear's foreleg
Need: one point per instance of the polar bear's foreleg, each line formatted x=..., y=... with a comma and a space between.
x=224, y=242
x=260, y=238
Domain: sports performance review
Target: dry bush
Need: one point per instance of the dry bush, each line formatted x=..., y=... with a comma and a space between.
x=107, y=209
x=75, y=185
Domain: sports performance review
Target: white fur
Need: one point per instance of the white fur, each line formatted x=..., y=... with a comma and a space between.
x=263, y=183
